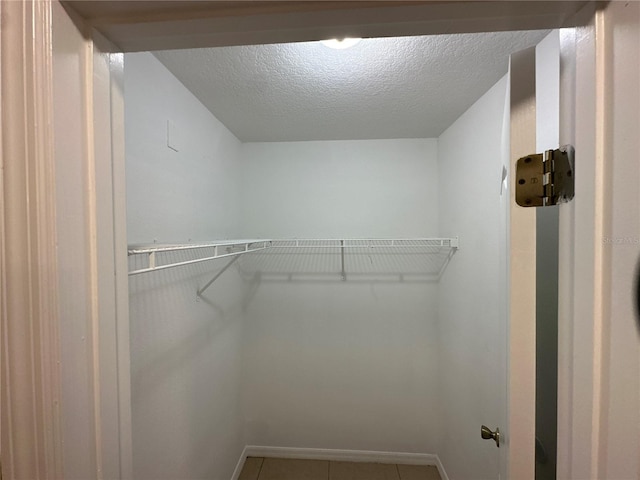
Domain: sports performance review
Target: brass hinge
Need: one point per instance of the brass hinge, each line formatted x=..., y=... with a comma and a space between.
x=544, y=179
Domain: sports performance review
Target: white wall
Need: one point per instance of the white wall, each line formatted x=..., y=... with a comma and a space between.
x=174, y=196
x=186, y=362
x=340, y=189
x=332, y=364
x=471, y=296
x=340, y=365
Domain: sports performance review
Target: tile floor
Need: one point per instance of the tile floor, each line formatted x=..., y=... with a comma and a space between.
x=293, y=469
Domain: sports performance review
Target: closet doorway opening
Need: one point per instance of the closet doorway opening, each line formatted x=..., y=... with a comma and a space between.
x=353, y=208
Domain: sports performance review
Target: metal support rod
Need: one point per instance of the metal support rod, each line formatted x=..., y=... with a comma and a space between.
x=136, y=250
x=344, y=274
x=222, y=270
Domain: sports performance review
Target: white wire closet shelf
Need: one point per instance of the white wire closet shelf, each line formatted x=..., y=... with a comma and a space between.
x=372, y=243
x=297, y=256
x=154, y=257
x=362, y=259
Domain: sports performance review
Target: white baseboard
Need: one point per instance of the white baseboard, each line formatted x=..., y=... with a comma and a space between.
x=443, y=473
x=240, y=464
x=339, y=455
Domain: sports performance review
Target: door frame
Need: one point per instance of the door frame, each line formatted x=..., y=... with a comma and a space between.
x=583, y=269
x=30, y=431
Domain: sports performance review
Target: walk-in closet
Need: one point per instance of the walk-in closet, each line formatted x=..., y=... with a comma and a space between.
x=317, y=245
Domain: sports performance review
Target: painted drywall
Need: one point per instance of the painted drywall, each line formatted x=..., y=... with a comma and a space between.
x=547, y=231
x=472, y=328
x=329, y=363
x=175, y=196
x=339, y=189
x=332, y=364
x=186, y=363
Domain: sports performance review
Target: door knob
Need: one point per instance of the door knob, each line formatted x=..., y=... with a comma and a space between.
x=487, y=434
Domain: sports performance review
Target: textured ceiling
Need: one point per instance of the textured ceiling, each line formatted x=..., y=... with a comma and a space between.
x=407, y=87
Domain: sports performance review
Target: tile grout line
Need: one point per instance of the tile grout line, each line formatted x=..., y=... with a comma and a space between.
x=329, y=471
x=398, y=470
x=260, y=469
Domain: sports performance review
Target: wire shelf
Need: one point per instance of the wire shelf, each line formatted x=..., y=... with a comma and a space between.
x=361, y=256
x=150, y=258
x=419, y=259
x=361, y=243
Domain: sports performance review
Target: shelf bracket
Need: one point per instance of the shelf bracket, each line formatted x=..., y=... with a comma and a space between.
x=222, y=270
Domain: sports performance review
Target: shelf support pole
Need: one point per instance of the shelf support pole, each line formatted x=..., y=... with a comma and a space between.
x=224, y=269
x=343, y=272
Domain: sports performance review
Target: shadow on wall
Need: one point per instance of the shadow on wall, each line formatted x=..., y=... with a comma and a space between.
x=409, y=265
x=158, y=302
x=159, y=299
x=186, y=371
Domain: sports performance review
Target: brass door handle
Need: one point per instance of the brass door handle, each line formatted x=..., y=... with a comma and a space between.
x=487, y=434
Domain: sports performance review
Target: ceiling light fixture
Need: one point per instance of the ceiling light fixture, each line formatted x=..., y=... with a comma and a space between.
x=340, y=43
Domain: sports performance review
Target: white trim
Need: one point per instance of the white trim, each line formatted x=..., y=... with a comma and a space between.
x=443, y=473
x=569, y=379
x=30, y=319
x=339, y=455
x=107, y=230
x=582, y=263
x=619, y=435
x=520, y=433
x=601, y=261
x=566, y=234
x=123, y=344
x=240, y=464
x=209, y=26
